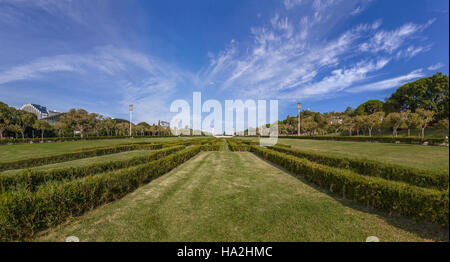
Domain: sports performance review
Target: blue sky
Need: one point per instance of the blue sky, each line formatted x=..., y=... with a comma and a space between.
x=104, y=55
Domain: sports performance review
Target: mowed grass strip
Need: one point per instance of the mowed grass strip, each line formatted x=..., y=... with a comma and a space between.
x=434, y=158
x=84, y=161
x=25, y=151
x=230, y=196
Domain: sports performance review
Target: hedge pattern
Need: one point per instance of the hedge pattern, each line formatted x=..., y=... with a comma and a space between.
x=22, y=213
x=417, y=177
x=56, y=158
x=30, y=179
x=421, y=204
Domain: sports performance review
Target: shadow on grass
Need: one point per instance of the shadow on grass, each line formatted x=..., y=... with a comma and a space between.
x=423, y=230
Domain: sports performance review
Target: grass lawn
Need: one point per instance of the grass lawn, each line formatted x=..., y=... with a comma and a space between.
x=231, y=196
x=22, y=151
x=85, y=161
x=417, y=156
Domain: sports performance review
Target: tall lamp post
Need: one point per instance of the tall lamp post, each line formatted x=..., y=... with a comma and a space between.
x=131, y=116
x=299, y=106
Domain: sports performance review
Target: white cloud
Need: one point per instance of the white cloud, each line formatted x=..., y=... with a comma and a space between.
x=356, y=11
x=289, y=4
x=339, y=80
x=65, y=8
x=435, y=67
x=412, y=51
x=282, y=62
x=389, y=41
x=388, y=83
x=124, y=68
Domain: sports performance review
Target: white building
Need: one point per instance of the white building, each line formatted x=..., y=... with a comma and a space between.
x=41, y=112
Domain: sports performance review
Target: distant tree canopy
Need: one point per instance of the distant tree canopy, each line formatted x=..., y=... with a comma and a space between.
x=369, y=107
x=430, y=93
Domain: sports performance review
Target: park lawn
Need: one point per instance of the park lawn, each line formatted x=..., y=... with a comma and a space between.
x=236, y=196
x=23, y=151
x=84, y=161
x=434, y=158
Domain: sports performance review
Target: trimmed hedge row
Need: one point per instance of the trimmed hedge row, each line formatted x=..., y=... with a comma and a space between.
x=211, y=146
x=22, y=213
x=50, y=159
x=30, y=179
x=421, y=204
x=63, y=139
x=417, y=177
x=238, y=145
x=405, y=140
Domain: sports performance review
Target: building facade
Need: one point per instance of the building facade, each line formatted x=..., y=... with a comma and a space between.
x=51, y=116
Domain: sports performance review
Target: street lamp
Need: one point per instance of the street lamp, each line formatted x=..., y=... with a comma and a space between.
x=299, y=106
x=131, y=116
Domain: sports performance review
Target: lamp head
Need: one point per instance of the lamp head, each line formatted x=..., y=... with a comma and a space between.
x=299, y=106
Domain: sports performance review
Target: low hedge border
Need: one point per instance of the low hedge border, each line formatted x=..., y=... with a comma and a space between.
x=30, y=179
x=417, y=177
x=50, y=159
x=421, y=204
x=22, y=213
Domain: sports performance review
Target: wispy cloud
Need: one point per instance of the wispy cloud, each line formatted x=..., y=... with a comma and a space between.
x=289, y=4
x=287, y=59
x=74, y=10
x=412, y=51
x=435, y=67
x=139, y=78
x=388, y=83
x=389, y=41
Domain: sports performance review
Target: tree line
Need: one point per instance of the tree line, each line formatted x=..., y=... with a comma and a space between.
x=415, y=105
x=73, y=123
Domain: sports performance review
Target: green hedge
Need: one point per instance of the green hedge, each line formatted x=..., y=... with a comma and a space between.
x=417, y=177
x=50, y=159
x=421, y=204
x=30, y=179
x=237, y=145
x=405, y=140
x=22, y=213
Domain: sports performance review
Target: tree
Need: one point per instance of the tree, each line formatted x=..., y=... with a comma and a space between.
x=411, y=120
x=349, y=111
x=24, y=120
x=444, y=126
x=123, y=128
x=109, y=125
x=95, y=123
x=430, y=93
x=395, y=120
x=60, y=126
x=424, y=118
x=15, y=128
x=41, y=125
x=77, y=119
x=335, y=123
x=369, y=107
x=308, y=125
x=349, y=123
x=6, y=117
x=374, y=121
x=361, y=123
